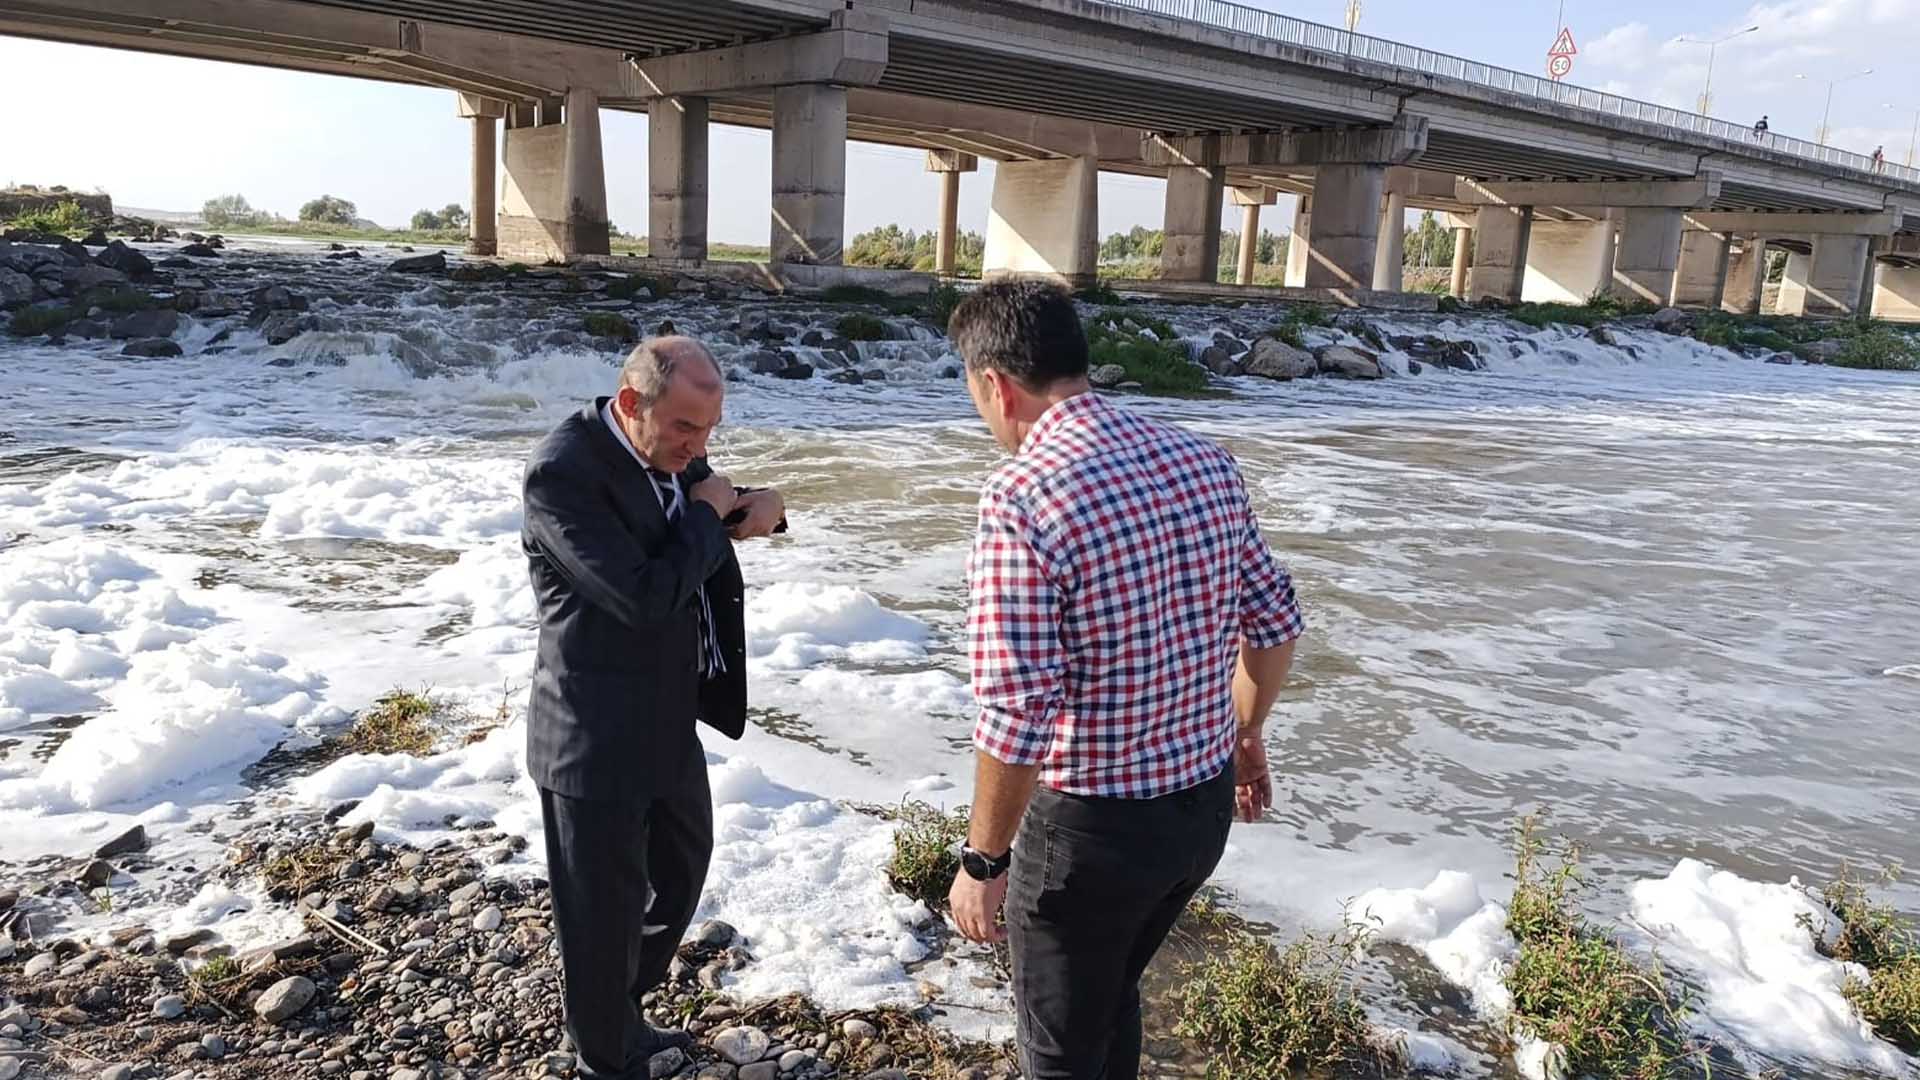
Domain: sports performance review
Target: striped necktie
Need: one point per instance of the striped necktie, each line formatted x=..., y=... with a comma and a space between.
x=666, y=487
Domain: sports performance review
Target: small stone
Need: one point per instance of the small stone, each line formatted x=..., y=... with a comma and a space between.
x=760, y=1070
x=285, y=999
x=488, y=920
x=179, y=943
x=40, y=965
x=98, y=873
x=134, y=839
x=467, y=893
x=9, y=1068
x=666, y=1063
x=214, y=1045
x=72, y=1016
x=794, y=1060
x=171, y=1007
x=859, y=1031
x=116, y=1072
x=1108, y=375
x=715, y=934
x=742, y=1045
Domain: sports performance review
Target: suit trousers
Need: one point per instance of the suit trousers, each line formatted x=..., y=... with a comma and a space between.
x=603, y=859
x=1096, y=886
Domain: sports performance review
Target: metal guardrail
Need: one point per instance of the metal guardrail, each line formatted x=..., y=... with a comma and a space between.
x=1223, y=15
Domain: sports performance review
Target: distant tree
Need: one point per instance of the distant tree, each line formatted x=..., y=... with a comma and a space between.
x=1429, y=244
x=453, y=216
x=1272, y=249
x=331, y=210
x=426, y=220
x=227, y=210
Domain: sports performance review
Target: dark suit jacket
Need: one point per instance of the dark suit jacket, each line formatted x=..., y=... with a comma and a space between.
x=616, y=685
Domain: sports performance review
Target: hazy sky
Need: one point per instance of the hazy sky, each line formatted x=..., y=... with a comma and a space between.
x=168, y=133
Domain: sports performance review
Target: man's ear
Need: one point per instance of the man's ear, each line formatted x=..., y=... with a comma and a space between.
x=1005, y=394
x=628, y=401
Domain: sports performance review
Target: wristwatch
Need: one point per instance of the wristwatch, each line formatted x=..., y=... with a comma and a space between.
x=982, y=867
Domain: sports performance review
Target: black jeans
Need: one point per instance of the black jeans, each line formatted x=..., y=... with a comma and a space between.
x=1096, y=885
x=601, y=857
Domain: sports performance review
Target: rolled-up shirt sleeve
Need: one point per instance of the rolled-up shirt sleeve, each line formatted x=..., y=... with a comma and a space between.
x=1269, y=612
x=1013, y=630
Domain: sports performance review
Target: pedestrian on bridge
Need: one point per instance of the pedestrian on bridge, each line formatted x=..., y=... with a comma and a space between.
x=1760, y=129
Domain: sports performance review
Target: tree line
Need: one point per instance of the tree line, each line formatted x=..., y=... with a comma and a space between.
x=1428, y=244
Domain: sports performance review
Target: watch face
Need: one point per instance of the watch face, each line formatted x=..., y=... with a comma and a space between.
x=975, y=864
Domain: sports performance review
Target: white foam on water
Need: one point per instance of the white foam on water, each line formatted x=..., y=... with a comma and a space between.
x=1751, y=947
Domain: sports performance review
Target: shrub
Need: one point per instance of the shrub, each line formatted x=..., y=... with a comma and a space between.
x=329, y=209
x=858, y=327
x=120, y=301
x=1160, y=367
x=1879, y=349
x=1875, y=936
x=940, y=304
x=30, y=321
x=1268, y=1013
x=1124, y=322
x=608, y=325
x=926, y=851
x=1100, y=293
x=1577, y=987
x=400, y=722
x=67, y=219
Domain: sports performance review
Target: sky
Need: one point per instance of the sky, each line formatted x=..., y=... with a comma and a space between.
x=166, y=133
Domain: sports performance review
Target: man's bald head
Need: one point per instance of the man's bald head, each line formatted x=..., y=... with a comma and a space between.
x=656, y=362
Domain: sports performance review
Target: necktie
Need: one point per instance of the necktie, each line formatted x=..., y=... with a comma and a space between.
x=666, y=487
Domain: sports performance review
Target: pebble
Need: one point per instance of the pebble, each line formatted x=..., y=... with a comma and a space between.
x=116, y=1072
x=666, y=1063
x=715, y=934
x=171, y=1007
x=742, y=1045
x=40, y=965
x=793, y=1060
x=859, y=1031
x=214, y=1045
x=488, y=920
x=285, y=999
x=9, y=1068
x=760, y=1070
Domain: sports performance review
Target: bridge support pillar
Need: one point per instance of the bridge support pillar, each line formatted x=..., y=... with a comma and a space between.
x=1792, y=299
x=1043, y=221
x=1746, y=277
x=1836, y=277
x=1500, y=237
x=1462, y=261
x=553, y=204
x=809, y=174
x=1568, y=262
x=677, y=178
x=1389, y=262
x=1896, y=293
x=1300, y=243
x=1648, y=253
x=1345, y=245
x=1250, y=200
x=1190, y=250
x=1701, y=280
x=482, y=223
x=949, y=164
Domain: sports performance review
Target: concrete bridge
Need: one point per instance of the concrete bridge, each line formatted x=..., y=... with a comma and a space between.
x=1555, y=191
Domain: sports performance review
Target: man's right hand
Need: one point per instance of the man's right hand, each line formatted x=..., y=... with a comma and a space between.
x=1252, y=779
x=716, y=491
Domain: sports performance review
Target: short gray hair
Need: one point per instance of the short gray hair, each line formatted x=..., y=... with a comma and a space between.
x=653, y=363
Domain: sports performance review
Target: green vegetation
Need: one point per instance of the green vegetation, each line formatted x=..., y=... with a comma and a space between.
x=1728, y=332
x=858, y=327
x=1576, y=986
x=1878, y=938
x=1160, y=367
x=117, y=300
x=855, y=294
x=453, y=216
x=1292, y=329
x=940, y=304
x=218, y=970
x=626, y=288
x=329, y=210
x=1600, y=308
x=1123, y=321
x=32, y=321
x=1267, y=1013
x=231, y=212
x=926, y=851
x=400, y=722
x=67, y=219
x=608, y=325
x=1880, y=349
x=893, y=248
x=1100, y=293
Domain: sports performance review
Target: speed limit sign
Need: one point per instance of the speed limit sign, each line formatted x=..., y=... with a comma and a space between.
x=1560, y=66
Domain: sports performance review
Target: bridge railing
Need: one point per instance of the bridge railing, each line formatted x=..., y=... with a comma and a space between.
x=1225, y=15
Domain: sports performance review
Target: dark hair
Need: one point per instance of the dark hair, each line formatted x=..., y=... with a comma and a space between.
x=1027, y=329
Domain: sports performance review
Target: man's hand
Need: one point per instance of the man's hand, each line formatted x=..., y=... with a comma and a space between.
x=1252, y=782
x=716, y=491
x=764, y=510
x=976, y=907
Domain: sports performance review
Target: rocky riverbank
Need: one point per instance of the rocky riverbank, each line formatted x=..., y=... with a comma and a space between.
x=411, y=965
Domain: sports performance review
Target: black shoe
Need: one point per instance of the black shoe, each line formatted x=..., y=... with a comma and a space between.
x=667, y=1039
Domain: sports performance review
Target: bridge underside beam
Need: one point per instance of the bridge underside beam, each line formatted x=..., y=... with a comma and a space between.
x=1788, y=224
x=1699, y=191
x=1397, y=143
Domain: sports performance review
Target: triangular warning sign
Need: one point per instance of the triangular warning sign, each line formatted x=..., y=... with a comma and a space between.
x=1563, y=45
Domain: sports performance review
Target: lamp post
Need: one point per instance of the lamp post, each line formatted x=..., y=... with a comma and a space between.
x=1827, y=115
x=1912, y=140
x=1713, y=46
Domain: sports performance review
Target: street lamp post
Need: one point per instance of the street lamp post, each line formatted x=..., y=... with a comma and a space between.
x=1912, y=140
x=1826, y=116
x=1713, y=46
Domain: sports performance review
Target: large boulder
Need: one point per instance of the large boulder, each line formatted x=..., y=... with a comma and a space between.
x=16, y=288
x=1346, y=362
x=152, y=323
x=29, y=259
x=421, y=264
x=81, y=279
x=151, y=347
x=276, y=298
x=1220, y=361
x=1440, y=352
x=119, y=256
x=1823, y=352
x=1107, y=376
x=1272, y=358
x=1671, y=320
x=200, y=251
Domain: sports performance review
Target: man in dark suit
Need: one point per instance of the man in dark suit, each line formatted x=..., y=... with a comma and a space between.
x=642, y=634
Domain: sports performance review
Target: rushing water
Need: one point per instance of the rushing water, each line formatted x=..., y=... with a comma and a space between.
x=1663, y=596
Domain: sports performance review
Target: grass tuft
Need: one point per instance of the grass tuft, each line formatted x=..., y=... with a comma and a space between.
x=1160, y=367
x=926, y=851
x=220, y=969
x=31, y=321
x=1102, y=294
x=67, y=218
x=1880, y=349
x=1877, y=937
x=1268, y=1013
x=608, y=325
x=859, y=327
x=941, y=302
x=400, y=722
x=1576, y=986
x=118, y=300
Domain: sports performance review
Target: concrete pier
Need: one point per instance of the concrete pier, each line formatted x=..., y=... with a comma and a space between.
x=948, y=164
x=483, y=220
x=1568, y=262
x=1701, y=280
x=1837, y=276
x=1190, y=250
x=1647, y=255
x=1299, y=244
x=809, y=174
x=1896, y=293
x=1389, y=262
x=553, y=204
x=677, y=169
x=1746, y=276
x=1250, y=200
x=1500, y=239
x=1462, y=261
x=1043, y=221
x=1792, y=299
x=1346, y=228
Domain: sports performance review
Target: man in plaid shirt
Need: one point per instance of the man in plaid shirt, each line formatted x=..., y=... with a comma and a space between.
x=1129, y=632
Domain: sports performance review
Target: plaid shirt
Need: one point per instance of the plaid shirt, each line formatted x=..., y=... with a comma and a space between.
x=1117, y=568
